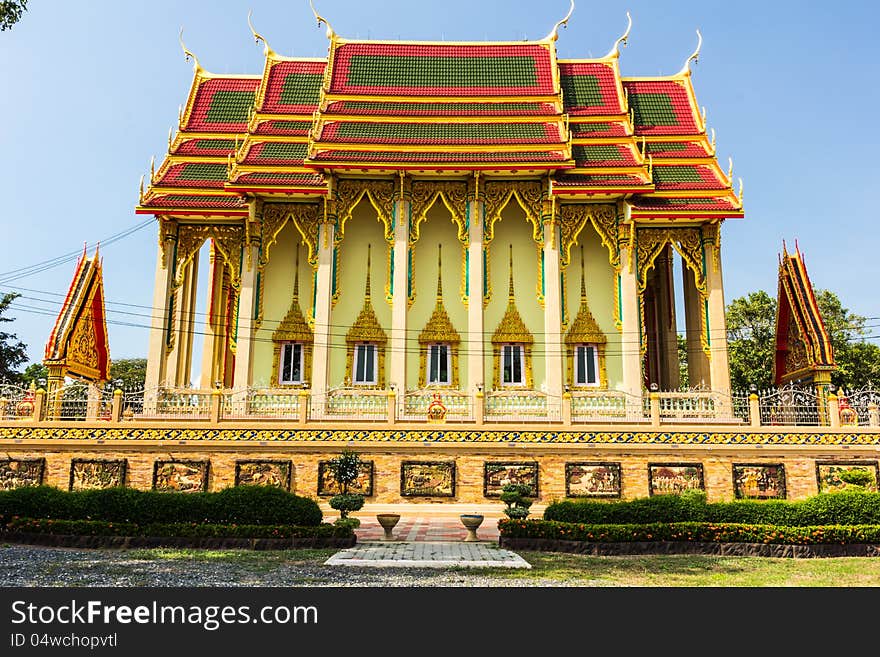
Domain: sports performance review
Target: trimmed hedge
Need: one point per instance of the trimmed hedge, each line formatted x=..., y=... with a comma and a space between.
x=690, y=532
x=189, y=530
x=825, y=509
x=240, y=505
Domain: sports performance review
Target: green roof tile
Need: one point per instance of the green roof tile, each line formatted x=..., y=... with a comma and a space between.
x=229, y=107
x=413, y=71
x=653, y=109
x=581, y=91
x=301, y=89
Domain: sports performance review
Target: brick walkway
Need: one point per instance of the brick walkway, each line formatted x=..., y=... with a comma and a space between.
x=426, y=528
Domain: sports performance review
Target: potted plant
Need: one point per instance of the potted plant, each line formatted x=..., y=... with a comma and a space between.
x=518, y=499
x=345, y=469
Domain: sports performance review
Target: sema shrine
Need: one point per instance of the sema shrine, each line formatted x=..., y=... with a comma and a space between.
x=466, y=261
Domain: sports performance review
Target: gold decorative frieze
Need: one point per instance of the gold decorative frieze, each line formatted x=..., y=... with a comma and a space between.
x=439, y=330
x=305, y=218
x=572, y=220
x=425, y=194
x=381, y=196
x=228, y=242
x=650, y=243
x=585, y=330
x=293, y=328
x=366, y=329
x=529, y=194
x=512, y=330
x=712, y=238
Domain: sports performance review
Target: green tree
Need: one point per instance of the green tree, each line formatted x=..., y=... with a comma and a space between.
x=130, y=372
x=751, y=339
x=13, y=351
x=345, y=469
x=35, y=373
x=10, y=13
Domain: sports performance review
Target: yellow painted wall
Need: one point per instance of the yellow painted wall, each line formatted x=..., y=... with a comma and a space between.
x=277, y=284
x=600, y=281
x=513, y=228
x=362, y=229
x=438, y=228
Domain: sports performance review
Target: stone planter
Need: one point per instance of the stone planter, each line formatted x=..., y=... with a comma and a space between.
x=471, y=521
x=388, y=521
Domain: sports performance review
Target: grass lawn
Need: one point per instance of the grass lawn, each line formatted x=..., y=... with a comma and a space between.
x=570, y=569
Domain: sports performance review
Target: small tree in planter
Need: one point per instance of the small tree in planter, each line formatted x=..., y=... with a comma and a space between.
x=518, y=499
x=345, y=469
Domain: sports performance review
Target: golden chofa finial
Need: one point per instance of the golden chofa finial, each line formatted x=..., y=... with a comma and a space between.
x=170, y=137
x=187, y=54
x=267, y=51
x=152, y=169
x=321, y=19
x=141, y=192
x=695, y=56
x=729, y=170
x=713, y=140
x=622, y=41
x=740, y=195
x=554, y=33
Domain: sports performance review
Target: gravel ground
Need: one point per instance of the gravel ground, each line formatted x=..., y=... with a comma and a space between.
x=45, y=567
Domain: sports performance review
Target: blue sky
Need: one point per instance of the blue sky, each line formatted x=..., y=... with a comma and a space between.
x=91, y=88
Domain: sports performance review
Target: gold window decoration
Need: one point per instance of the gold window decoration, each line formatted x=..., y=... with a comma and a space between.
x=512, y=331
x=585, y=332
x=293, y=329
x=367, y=331
x=439, y=331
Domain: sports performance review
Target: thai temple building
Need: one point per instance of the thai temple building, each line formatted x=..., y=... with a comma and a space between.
x=458, y=217
x=467, y=261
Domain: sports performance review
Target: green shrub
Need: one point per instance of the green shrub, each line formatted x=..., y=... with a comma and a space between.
x=846, y=508
x=188, y=530
x=690, y=531
x=255, y=505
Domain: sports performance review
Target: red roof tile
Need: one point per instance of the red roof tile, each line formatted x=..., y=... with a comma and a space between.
x=194, y=174
x=296, y=128
x=424, y=157
x=293, y=87
x=285, y=179
x=222, y=105
x=676, y=149
x=689, y=176
x=661, y=107
x=681, y=204
x=589, y=88
x=196, y=201
x=593, y=180
x=276, y=153
x=207, y=147
x=389, y=108
x=603, y=155
x=600, y=129
x=438, y=134
x=453, y=70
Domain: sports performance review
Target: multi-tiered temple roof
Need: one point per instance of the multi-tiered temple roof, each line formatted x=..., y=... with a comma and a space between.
x=442, y=109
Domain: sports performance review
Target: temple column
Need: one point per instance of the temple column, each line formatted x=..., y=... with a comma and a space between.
x=667, y=335
x=323, y=298
x=247, y=300
x=475, y=338
x=630, y=339
x=719, y=368
x=698, y=361
x=179, y=359
x=553, y=349
x=159, y=323
x=400, y=296
x=213, y=323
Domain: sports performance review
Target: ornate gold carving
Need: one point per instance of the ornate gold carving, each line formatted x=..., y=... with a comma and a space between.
x=366, y=329
x=83, y=349
x=167, y=236
x=512, y=330
x=439, y=330
x=573, y=218
x=585, y=331
x=293, y=328
x=796, y=358
x=712, y=236
x=228, y=240
x=529, y=194
x=304, y=217
x=425, y=195
x=381, y=195
x=688, y=242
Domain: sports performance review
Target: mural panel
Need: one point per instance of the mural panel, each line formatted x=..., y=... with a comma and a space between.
x=592, y=479
x=93, y=474
x=497, y=475
x=363, y=484
x=181, y=476
x=674, y=478
x=427, y=479
x=263, y=473
x=835, y=476
x=17, y=473
x=759, y=481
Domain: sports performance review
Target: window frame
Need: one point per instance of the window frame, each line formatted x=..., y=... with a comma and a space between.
x=596, y=365
x=362, y=347
x=448, y=359
x=521, y=351
x=302, y=362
